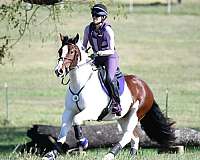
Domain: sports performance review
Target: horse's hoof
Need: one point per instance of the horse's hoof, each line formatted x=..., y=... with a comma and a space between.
x=109, y=156
x=133, y=152
x=50, y=155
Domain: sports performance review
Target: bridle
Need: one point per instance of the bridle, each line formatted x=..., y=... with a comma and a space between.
x=72, y=56
x=71, y=59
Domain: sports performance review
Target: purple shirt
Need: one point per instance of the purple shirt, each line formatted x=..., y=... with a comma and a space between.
x=103, y=42
x=107, y=44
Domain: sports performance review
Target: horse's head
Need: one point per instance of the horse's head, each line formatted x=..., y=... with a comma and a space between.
x=69, y=55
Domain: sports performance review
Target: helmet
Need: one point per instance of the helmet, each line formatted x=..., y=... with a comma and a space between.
x=99, y=10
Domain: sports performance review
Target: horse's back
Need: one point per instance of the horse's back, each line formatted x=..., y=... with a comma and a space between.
x=140, y=91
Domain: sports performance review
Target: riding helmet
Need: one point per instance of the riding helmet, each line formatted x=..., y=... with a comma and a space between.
x=99, y=10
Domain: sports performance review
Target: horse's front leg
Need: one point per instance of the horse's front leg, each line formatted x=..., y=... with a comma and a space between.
x=128, y=125
x=66, y=125
x=67, y=118
x=78, y=121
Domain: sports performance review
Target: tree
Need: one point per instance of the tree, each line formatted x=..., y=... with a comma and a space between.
x=17, y=17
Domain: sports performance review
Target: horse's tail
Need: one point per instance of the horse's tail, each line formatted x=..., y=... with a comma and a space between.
x=157, y=126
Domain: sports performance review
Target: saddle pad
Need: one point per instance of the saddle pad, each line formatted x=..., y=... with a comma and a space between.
x=120, y=80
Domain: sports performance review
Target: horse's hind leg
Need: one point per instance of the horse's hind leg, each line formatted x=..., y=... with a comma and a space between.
x=127, y=124
x=134, y=142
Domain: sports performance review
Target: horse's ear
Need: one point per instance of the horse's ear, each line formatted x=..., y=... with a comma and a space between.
x=76, y=38
x=61, y=37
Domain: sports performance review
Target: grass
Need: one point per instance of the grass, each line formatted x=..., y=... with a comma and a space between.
x=95, y=154
x=160, y=48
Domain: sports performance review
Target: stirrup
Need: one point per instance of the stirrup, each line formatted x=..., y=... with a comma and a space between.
x=116, y=109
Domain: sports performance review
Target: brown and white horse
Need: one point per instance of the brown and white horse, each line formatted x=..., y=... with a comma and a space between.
x=85, y=100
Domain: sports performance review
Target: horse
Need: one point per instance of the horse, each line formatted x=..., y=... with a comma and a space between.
x=85, y=100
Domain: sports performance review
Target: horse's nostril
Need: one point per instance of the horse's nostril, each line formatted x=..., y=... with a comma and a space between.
x=61, y=71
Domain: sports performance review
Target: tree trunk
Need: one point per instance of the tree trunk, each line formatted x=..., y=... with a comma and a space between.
x=98, y=136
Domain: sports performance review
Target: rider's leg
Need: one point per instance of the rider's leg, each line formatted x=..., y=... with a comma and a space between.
x=111, y=67
x=127, y=124
x=116, y=97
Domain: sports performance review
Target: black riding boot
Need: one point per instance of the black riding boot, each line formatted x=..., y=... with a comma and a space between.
x=116, y=98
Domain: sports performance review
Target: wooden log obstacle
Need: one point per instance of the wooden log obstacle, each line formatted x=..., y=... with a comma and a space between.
x=102, y=136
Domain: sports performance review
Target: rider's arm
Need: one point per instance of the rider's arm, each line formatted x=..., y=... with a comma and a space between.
x=85, y=37
x=110, y=41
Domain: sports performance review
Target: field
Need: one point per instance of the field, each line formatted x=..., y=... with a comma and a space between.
x=162, y=49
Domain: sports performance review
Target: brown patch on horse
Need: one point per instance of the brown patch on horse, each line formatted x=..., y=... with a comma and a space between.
x=140, y=91
x=73, y=55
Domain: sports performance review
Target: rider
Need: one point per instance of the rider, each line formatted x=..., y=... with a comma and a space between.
x=101, y=38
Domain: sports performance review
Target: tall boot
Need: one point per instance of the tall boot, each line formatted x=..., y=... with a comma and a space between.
x=115, y=97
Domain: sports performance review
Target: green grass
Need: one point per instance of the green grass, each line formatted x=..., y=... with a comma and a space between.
x=97, y=154
x=161, y=49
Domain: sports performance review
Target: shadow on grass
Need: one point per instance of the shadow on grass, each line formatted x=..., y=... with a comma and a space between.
x=197, y=129
x=10, y=137
x=7, y=148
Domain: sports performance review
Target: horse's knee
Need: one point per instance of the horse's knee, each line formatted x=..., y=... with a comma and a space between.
x=77, y=120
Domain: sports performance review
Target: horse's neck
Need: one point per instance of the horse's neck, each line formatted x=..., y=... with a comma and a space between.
x=80, y=76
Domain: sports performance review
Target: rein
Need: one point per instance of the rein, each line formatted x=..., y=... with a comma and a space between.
x=76, y=67
x=63, y=83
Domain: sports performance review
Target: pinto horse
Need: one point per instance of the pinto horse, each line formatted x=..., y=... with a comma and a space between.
x=85, y=100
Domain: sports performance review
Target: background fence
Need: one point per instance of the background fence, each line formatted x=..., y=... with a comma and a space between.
x=25, y=106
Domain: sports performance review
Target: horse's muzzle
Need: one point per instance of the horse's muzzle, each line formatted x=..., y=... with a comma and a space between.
x=61, y=73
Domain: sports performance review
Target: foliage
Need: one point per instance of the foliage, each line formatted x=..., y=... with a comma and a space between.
x=17, y=17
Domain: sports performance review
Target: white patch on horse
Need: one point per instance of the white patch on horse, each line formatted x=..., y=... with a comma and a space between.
x=64, y=51
x=92, y=100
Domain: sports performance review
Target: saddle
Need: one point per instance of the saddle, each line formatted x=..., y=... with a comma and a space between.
x=102, y=74
x=103, y=80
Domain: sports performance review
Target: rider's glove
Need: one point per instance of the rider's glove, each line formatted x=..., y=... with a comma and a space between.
x=100, y=53
x=92, y=56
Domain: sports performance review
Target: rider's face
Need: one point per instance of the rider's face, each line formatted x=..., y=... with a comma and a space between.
x=96, y=19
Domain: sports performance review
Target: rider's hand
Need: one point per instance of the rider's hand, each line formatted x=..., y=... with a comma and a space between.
x=100, y=53
x=92, y=56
